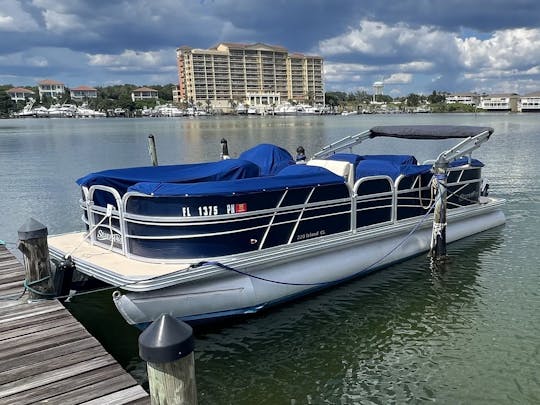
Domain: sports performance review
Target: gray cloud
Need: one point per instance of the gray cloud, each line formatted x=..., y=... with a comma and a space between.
x=415, y=45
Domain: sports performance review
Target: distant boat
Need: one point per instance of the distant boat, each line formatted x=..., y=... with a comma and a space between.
x=241, y=109
x=85, y=112
x=41, y=112
x=27, y=111
x=168, y=110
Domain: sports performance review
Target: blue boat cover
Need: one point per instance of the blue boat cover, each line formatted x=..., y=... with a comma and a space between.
x=290, y=177
x=464, y=161
x=122, y=179
x=270, y=158
x=346, y=157
x=389, y=165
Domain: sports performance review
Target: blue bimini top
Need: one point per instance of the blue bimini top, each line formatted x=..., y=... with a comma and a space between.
x=122, y=179
x=290, y=177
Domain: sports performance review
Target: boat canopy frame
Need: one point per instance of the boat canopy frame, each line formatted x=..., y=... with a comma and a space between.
x=473, y=137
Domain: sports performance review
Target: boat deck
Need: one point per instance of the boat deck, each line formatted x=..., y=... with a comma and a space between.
x=97, y=257
x=49, y=357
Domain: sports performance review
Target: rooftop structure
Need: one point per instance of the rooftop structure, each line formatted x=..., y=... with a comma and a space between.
x=83, y=92
x=463, y=98
x=530, y=102
x=231, y=73
x=144, y=93
x=50, y=88
x=19, y=93
x=500, y=102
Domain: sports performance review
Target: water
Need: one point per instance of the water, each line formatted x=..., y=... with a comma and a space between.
x=463, y=332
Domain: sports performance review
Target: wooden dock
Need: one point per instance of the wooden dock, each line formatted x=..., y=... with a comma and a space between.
x=47, y=356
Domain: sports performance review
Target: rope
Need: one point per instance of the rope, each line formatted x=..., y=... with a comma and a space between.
x=229, y=268
x=12, y=297
x=90, y=232
x=28, y=286
x=432, y=189
x=6, y=243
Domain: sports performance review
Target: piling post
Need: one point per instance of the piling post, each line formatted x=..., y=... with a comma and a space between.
x=224, y=149
x=438, y=234
x=167, y=347
x=37, y=265
x=152, y=149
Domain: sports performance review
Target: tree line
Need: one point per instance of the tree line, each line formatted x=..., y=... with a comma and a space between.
x=108, y=97
x=119, y=96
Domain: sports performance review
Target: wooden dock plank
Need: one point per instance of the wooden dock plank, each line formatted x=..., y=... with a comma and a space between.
x=36, y=326
x=23, y=322
x=39, y=380
x=43, y=366
x=18, y=346
x=120, y=397
x=64, y=386
x=25, y=311
x=50, y=353
x=47, y=356
x=94, y=391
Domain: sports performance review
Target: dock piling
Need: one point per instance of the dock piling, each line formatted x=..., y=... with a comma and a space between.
x=224, y=149
x=438, y=235
x=37, y=265
x=167, y=347
x=152, y=149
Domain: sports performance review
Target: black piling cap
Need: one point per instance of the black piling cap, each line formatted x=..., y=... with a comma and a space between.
x=165, y=340
x=32, y=229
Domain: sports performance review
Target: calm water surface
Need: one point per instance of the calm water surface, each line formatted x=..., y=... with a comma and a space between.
x=466, y=332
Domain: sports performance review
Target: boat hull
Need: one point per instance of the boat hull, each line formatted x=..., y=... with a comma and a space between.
x=260, y=282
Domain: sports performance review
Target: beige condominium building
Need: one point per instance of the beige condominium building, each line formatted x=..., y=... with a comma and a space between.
x=255, y=74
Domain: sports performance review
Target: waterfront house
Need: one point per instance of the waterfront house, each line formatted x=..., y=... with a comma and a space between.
x=500, y=102
x=83, y=93
x=530, y=102
x=50, y=88
x=463, y=98
x=20, y=94
x=144, y=93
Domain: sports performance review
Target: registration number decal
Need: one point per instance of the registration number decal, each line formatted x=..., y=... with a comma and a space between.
x=211, y=210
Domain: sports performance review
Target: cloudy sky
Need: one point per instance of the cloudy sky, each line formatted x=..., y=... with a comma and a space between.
x=411, y=45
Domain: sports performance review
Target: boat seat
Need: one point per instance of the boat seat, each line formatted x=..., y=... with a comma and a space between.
x=339, y=167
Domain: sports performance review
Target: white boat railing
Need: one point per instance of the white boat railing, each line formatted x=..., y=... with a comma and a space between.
x=345, y=143
x=464, y=148
x=391, y=198
x=113, y=213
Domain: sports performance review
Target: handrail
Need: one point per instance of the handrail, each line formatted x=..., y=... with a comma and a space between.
x=119, y=211
x=463, y=148
x=347, y=142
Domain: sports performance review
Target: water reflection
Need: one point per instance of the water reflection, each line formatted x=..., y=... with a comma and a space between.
x=465, y=332
x=353, y=341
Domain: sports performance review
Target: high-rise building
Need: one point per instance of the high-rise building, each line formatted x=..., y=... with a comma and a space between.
x=257, y=74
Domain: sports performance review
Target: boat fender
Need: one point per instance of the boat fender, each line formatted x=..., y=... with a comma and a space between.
x=63, y=276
